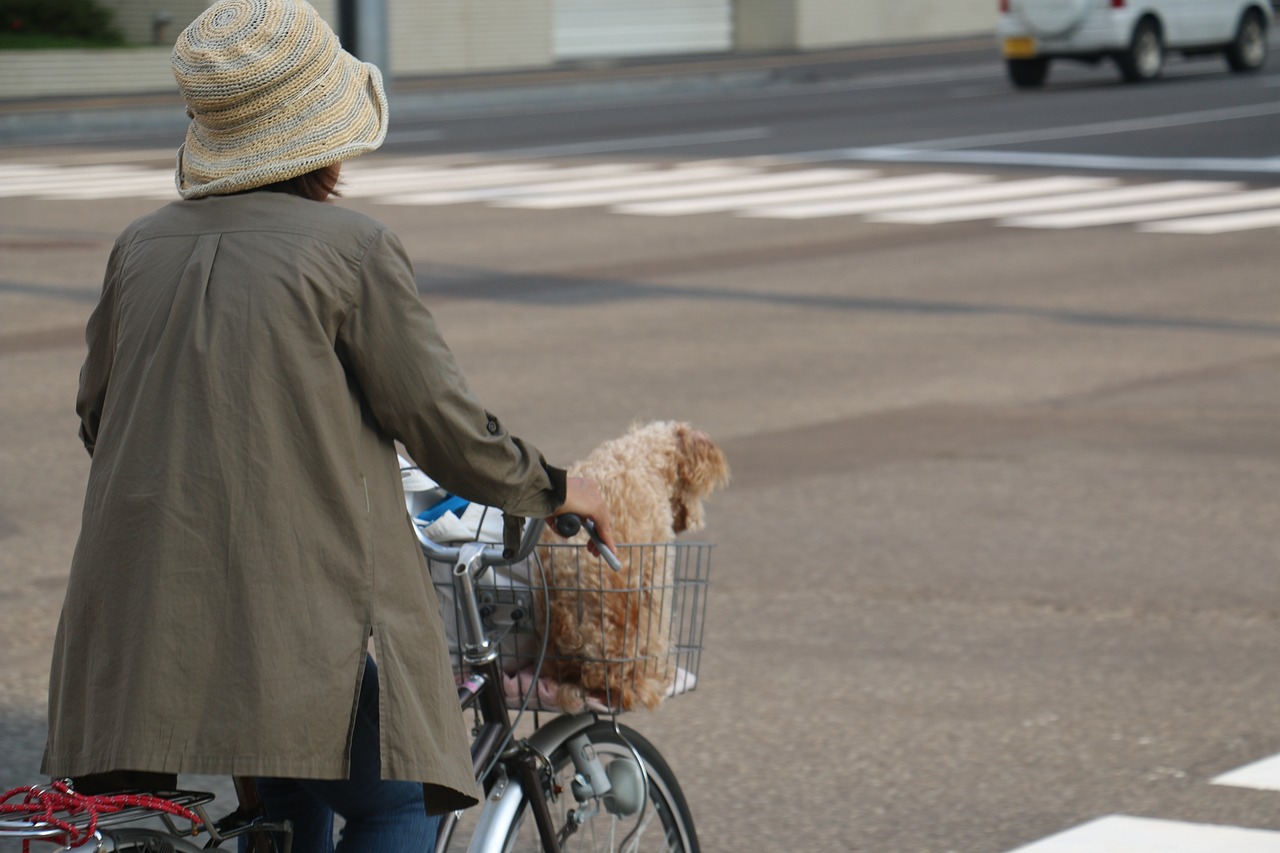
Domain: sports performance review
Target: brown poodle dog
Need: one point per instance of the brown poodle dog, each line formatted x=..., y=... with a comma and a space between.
x=609, y=631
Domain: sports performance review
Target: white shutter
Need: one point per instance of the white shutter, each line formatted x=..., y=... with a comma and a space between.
x=586, y=29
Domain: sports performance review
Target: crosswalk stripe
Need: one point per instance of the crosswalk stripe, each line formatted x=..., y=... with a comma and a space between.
x=1264, y=774
x=1125, y=834
x=652, y=176
x=773, y=180
x=1046, y=204
x=856, y=188
x=136, y=186
x=1004, y=189
x=23, y=170
x=399, y=179
x=1229, y=198
x=56, y=180
x=33, y=174
x=477, y=193
x=1252, y=220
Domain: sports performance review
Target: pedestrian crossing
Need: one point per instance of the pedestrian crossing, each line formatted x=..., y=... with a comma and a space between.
x=750, y=188
x=1132, y=834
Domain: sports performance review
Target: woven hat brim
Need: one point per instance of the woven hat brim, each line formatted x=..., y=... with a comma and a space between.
x=338, y=123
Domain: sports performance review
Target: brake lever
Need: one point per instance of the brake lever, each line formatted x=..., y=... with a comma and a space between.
x=569, y=524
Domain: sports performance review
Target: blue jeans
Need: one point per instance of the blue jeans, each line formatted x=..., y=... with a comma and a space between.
x=380, y=816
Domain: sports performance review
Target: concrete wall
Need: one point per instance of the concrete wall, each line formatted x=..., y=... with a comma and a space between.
x=816, y=24
x=45, y=73
x=451, y=36
x=766, y=24
x=833, y=23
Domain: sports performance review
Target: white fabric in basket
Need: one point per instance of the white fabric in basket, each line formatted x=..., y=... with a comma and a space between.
x=476, y=524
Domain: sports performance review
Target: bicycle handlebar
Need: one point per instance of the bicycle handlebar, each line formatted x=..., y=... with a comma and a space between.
x=570, y=523
x=492, y=554
x=567, y=525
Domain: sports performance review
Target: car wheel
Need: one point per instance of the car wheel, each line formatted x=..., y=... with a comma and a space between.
x=1144, y=58
x=1248, y=51
x=1028, y=73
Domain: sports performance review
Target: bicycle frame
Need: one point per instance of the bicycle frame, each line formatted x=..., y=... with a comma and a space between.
x=509, y=773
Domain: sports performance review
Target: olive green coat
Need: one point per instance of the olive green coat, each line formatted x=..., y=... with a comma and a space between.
x=244, y=531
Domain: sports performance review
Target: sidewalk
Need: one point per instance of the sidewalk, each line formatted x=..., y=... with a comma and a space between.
x=103, y=118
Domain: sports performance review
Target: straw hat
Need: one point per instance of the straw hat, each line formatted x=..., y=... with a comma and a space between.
x=272, y=95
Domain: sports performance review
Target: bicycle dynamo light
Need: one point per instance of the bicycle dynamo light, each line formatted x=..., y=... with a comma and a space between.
x=627, y=796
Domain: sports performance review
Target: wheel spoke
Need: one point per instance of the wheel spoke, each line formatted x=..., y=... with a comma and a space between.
x=662, y=824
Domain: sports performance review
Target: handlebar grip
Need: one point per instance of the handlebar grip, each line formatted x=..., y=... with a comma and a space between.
x=569, y=524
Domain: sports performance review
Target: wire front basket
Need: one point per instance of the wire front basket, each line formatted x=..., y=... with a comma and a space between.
x=575, y=635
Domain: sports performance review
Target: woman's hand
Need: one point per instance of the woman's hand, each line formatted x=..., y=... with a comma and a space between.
x=583, y=497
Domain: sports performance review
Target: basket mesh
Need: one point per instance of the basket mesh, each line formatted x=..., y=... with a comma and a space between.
x=627, y=638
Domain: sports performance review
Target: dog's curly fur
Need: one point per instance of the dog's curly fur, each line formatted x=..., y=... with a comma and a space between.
x=654, y=479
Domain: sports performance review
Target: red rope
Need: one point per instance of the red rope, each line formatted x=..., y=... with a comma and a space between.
x=42, y=807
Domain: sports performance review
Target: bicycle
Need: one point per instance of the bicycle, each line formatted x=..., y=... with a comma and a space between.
x=581, y=780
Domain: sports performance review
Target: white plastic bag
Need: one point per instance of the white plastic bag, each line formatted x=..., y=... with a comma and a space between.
x=505, y=593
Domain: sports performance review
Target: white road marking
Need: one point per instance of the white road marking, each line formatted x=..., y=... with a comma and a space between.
x=1099, y=198
x=22, y=170
x=552, y=187
x=1230, y=199
x=1264, y=774
x=40, y=180
x=407, y=178
x=573, y=174
x=986, y=192
x=1051, y=160
x=1123, y=834
x=774, y=180
x=1075, y=131
x=1250, y=221
x=855, y=188
x=1103, y=128
x=149, y=185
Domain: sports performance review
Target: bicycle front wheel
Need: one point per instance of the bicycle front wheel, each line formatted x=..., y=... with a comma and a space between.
x=662, y=823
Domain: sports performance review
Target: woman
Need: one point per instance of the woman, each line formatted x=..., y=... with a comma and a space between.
x=254, y=357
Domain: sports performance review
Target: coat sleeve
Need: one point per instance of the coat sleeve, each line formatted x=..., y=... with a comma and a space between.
x=418, y=395
x=100, y=335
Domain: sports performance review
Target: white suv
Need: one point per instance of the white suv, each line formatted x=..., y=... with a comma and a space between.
x=1136, y=34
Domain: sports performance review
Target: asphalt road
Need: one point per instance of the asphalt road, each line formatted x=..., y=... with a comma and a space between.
x=1000, y=554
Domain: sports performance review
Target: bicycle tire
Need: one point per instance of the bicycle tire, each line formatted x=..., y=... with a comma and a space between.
x=665, y=822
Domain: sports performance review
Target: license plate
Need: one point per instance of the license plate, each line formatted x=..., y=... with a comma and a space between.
x=1019, y=47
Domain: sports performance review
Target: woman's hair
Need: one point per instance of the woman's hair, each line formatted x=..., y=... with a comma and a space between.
x=317, y=185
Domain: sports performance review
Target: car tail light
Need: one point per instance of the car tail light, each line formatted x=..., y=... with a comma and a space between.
x=1117, y=4
x=1004, y=7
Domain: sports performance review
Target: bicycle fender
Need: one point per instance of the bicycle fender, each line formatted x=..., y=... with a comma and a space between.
x=550, y=737
x=500, y=809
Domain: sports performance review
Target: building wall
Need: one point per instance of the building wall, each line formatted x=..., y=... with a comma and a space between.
x=765, y=24
x=453, y=36
x=44, y=73
x=834, y=23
